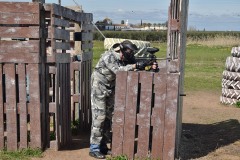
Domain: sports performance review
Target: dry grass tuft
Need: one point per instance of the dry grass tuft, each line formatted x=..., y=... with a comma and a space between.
x=217, y=41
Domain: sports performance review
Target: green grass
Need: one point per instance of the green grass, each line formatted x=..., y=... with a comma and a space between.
x=203, y=66
x=24, y=154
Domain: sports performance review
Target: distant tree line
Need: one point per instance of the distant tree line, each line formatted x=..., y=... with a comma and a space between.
x=161, y=36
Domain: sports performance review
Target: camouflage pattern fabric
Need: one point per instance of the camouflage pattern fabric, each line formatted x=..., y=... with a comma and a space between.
x=102, y=95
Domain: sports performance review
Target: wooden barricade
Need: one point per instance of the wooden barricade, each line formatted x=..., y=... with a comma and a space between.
x=35, y=73
x=20, y=89
x=145, y=115
x=62, y=38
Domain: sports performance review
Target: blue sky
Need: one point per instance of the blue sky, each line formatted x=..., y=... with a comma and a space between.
x=219, y=15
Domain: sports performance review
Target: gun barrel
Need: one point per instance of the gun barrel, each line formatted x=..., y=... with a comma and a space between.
x=147, y=58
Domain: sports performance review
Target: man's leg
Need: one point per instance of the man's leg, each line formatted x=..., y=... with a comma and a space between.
x=98, y=117
x=107, y=132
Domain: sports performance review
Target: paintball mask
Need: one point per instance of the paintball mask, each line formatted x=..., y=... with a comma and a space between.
x=128, y=50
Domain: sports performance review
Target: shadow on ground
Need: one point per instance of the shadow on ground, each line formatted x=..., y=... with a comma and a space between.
x=200, y=139
x=79, y=141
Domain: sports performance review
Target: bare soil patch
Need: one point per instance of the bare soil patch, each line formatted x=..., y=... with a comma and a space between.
x=210, y=131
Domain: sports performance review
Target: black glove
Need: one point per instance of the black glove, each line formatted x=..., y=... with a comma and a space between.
x=141, y=65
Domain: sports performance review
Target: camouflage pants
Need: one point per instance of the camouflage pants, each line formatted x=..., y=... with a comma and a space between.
x=102, y=100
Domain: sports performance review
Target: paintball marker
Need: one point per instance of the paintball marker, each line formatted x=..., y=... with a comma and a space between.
x=150, y=61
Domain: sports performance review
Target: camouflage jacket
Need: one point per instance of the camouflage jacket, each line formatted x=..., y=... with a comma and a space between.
x=107, y=67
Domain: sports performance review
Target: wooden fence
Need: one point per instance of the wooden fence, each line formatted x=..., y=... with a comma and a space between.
x=36, y=51
x=145, y=117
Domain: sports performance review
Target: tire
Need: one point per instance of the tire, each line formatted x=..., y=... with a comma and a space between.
x=232, y=64
x=231, y=93
x=226, y=100
x=109, y=42
x=230, y=84
x=235, y=51
x=235, y=76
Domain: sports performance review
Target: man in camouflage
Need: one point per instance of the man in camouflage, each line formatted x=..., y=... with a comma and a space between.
x=102, y=93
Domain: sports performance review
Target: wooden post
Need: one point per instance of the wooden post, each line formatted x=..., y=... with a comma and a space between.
x=176, y=51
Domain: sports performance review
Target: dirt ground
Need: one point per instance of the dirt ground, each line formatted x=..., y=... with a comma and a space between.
x=210, y=131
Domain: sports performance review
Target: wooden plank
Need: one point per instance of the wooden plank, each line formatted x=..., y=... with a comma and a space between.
x=11, y=47
x=143, y=118
x=68, y=92
x=20, y=7
x=19, y=58
x=19, y=51
x=86, y=45
x=61, y=45
x=71, y=14
x=60, y=22
x=83, y=91
x=87, y=27
x=19, y=32
x=119, y=109
x=57, y=116
x=61, y=34
x=182, y=56
x=1, y=109
x=87, y=36
x=63, y=58
x=130, y=115
x=84, y=17
x=170, y=116
x=11, y=108
x=78, y=89
x=62, y=118
x=88, y=94
x=85, y=56
x=22, y=106
x=157, y=119
x=34, y=105
x=63, y=12
x=19, y=18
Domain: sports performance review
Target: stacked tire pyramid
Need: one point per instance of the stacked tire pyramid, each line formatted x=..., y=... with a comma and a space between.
x=231, y=78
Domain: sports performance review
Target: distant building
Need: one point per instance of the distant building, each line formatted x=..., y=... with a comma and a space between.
x=106, y=24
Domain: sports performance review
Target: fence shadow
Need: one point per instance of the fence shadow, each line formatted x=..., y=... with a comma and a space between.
x=200, y=139
x=79, y=141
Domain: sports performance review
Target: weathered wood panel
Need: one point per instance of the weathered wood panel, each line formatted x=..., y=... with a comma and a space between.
x=11, y=108
x=61, y=45
x=157, y=119
x=20, y=48
x=130, y=115
x=19, y=32
x=19, y=18
x=119, y=111
x=19, y=51
x=145, y=111
x=143, y=118
x=60, y=22
x=22, y=106
x=87, y=36
x=170, y=116
x=20, y=7
x=61, y=34
x=2, y=83
x=34, y=105
x=86, y=45
x=87, y=27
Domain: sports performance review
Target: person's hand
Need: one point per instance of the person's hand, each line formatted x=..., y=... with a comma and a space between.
x=155, y=65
